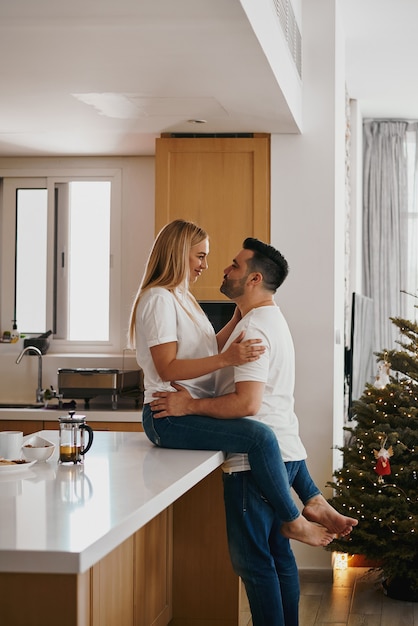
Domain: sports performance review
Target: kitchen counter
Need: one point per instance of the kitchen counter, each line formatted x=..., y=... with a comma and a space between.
x=47, y=510
x=71, y=532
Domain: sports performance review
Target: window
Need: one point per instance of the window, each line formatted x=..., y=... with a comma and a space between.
x=31, y=259
x=83, y=261
x=410, y=228
x=61, y=240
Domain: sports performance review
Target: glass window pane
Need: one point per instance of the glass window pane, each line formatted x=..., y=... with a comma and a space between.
x=31, y=260
x=89, y=261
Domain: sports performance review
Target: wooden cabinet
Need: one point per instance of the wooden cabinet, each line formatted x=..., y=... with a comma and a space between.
x=131, y=586
x=126, y=427
x=33, y=426
x=206, y=591
x=26, y=426
x=154, y=571
x=222, y=184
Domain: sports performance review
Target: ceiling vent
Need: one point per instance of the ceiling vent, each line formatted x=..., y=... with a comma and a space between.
x=291, y=31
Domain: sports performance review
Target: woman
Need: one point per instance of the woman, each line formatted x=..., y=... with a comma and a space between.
x=176, y=342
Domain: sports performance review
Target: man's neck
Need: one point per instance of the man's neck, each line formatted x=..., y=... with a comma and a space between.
x=248, y=304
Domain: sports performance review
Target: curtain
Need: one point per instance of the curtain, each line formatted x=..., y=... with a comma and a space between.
x=385, y=223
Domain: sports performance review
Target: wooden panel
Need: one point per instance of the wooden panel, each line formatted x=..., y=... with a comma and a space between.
x=112, y=587
x=222, y=184
x=27, y=427
x=126, y=427
x=205, y=588
x=51, y=425
x=153, y=570
x=49, y=599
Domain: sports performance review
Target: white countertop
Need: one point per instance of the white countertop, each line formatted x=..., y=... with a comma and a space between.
x=63, y=519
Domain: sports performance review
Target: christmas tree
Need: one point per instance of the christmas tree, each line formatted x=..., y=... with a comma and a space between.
x=378, y=482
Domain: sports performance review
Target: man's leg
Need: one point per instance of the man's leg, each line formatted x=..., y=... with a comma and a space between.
x=287, y=572
x=250, y=522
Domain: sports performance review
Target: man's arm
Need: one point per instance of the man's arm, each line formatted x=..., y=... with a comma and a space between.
x=243, y=402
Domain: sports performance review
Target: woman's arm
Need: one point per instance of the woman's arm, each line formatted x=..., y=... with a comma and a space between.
x=170, y=368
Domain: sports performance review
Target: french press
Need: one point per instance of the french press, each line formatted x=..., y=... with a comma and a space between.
x=71, y=438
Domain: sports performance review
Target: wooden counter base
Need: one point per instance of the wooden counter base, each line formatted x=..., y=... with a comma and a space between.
x=175, y=570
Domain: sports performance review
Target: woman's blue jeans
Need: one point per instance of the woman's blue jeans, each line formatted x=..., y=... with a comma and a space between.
x=195, y=432
x=259, y=553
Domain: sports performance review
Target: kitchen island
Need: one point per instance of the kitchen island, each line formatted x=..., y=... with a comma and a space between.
x=135, y=536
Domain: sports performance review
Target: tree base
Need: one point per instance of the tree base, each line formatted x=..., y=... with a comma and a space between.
x=358, y=560
x=399, y=589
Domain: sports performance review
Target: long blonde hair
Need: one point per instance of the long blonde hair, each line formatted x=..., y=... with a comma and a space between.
x=168, y=262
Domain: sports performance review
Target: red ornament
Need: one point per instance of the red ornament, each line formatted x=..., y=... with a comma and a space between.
x=383, y=465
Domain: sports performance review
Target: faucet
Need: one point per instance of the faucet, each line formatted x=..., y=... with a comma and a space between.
x=39, y=391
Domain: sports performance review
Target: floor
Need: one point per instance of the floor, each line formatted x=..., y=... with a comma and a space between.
x=354, y=598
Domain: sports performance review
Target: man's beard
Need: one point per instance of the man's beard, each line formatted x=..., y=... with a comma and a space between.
x=233, y=289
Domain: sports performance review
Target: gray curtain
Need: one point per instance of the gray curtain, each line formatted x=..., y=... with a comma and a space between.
x=385, y=206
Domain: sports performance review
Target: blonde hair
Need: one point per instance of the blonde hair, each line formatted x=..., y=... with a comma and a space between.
x=168, y=263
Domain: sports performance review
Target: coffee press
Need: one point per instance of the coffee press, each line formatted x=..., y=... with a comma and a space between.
x=71, y=438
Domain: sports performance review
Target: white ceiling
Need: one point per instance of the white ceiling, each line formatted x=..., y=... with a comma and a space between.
x=105, y=77
x=382, y=55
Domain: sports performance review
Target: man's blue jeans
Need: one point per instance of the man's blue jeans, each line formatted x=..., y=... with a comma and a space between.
x=195, y=432
x=259, y=553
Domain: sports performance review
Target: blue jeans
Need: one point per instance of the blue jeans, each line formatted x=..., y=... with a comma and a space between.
x=195, y=432
x=259, y=553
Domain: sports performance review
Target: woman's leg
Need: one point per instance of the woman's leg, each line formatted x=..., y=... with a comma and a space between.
x=316, y=508
x=241, y=436
x=301, y=480
x=232, y=435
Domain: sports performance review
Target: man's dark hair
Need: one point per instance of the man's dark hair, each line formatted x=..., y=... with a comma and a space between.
x=268, y=261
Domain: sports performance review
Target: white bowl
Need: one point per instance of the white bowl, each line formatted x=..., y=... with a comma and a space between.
x=37, y=449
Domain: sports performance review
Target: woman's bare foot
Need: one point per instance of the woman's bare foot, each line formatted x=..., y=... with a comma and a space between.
x=318, y=510
x=307, y=532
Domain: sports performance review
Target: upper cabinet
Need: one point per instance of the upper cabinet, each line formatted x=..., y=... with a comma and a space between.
x=223, y=185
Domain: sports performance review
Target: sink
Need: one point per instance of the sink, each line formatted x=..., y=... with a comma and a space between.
x=20, y=405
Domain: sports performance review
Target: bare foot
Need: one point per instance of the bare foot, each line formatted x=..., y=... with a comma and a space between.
x=318, y=510
x=306, y=532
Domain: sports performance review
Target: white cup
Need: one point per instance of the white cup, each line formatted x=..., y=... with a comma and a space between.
x=11, y=442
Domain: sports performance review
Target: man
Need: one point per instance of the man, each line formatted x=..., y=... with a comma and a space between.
x=263, y=389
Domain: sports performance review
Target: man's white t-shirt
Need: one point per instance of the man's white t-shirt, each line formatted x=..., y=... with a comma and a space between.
x=162, y=318
x=276, y=369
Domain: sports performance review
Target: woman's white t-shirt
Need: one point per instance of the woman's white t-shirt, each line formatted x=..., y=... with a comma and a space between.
x=162, y=318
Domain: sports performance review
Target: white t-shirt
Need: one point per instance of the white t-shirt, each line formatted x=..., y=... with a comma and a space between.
x=275, y=368
x=160, y=318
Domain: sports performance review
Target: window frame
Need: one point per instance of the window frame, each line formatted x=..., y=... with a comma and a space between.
x=48, y=178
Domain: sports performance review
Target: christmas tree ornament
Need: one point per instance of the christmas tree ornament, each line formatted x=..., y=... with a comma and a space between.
x=382, y=457
x=382, y=377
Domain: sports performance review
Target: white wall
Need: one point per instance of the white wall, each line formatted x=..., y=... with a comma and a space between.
x=307, y=225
